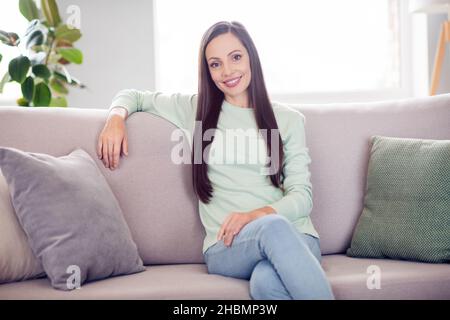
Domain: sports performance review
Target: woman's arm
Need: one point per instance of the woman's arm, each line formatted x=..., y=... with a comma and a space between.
x=297, y=200
x=119, y=111
x=178, y=108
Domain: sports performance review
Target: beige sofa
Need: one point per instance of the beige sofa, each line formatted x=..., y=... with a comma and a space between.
x=161, y=210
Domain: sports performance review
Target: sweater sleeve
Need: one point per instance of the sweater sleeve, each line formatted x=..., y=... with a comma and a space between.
x=178, y=108
x=297, y=199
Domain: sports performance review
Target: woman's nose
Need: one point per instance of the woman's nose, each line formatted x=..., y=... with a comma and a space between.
x=226, y=71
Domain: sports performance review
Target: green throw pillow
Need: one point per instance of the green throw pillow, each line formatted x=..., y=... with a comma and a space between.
x=406, y=213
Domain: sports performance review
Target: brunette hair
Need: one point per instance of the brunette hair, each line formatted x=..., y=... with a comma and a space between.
x=210, y=100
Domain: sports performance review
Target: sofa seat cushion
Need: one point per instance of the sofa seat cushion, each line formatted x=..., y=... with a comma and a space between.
x=400, y=279
x=348, y=278
x=178, y=281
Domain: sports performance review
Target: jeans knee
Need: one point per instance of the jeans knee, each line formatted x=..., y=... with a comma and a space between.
x=274, y=225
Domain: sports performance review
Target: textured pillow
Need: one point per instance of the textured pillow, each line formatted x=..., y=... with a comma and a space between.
x=17, y=261
x=406, y=211
x=72, y=219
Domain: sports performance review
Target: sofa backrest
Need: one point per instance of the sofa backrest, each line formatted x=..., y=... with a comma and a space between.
x=156, y=194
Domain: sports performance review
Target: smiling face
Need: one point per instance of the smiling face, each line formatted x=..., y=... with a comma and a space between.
x=229, y=65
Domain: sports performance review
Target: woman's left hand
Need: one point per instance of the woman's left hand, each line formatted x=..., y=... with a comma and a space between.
x=234, y=222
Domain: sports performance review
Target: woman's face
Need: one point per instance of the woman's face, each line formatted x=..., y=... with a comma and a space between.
x=227, y=60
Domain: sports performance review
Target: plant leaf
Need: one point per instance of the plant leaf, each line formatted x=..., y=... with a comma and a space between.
x=63, y=32
x=5, y=79
x=28, y=88
x=28, y=9
x=41, y=71
x=71, y=54
x=22, y=102
x=66, y=74
x=42, y=95
x=51, y=12
x=14, y=39
x=35, y=39
x=18, y=68
x=33, y=25
x=4, y=36
x=58, y=86
x=9, y=38
x=1, y=57
x=58, y=102
x=54, y=58
x=36, y=34
x=74, y=82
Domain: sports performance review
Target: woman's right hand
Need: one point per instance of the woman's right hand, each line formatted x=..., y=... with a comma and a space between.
x=112, y=141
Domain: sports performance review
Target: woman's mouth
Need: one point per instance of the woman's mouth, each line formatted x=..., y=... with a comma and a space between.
x=233, y=82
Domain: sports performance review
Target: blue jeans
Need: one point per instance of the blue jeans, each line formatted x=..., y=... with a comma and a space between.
x=280, y=262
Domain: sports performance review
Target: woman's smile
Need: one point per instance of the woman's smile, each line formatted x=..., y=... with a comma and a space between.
x=232, y=82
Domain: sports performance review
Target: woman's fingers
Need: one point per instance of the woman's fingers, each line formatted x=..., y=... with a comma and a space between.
x=116, y=154
x=110, y=153
x=228, y=240
x=113, y=140
x=224, y=227
x=232, y=231
x=105, y=154
x=125, y=145
x=99, y=149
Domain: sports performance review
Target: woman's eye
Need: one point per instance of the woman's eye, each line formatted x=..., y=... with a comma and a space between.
x=212, y=64
x=238, y=55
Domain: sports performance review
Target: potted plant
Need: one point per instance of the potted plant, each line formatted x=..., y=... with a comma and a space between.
x=46, y=48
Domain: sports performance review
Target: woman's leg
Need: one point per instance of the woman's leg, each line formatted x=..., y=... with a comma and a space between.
x=274, y=238
x=265, y=283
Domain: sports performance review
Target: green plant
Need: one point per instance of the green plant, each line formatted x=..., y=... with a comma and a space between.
x=48, y=44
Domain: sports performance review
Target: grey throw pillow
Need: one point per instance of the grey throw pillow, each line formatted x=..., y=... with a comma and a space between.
x=406, y=211
x=72, y=220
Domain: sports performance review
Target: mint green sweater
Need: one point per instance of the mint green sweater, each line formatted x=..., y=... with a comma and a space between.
x=238, y=182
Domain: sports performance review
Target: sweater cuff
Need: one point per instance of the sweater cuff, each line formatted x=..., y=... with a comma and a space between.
x=285, y=207
x=124, y=102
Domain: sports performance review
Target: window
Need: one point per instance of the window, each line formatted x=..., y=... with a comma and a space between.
x=305, y=47
x=11, y=21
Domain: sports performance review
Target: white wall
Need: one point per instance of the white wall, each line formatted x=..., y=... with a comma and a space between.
x=117, y=46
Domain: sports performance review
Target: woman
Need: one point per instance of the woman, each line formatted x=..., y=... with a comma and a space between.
x=256, y=220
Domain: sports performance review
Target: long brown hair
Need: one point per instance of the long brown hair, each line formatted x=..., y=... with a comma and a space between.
x=210, y=100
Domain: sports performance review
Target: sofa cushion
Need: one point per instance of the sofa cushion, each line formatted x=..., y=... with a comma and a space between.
x=17, y=261
x=73, y=222
x=348, y=278
x=407, y=203
x=386, y=279
x=182, y=281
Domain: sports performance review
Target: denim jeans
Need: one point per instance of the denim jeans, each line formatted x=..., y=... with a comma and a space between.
x=280, y=262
